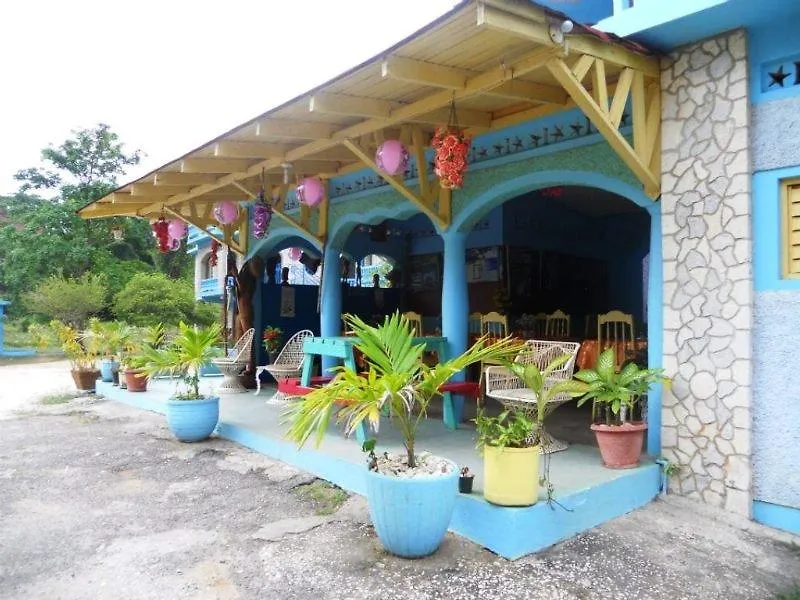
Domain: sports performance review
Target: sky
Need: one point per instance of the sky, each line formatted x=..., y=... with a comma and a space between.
x=169, y=75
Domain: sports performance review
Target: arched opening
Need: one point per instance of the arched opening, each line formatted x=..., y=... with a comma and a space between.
x=373, y=271
x=207, y=269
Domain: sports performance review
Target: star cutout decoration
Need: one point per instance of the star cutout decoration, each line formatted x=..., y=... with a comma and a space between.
x=535, y=139
x=577, y=128
x=558, y=133
x=777, y=77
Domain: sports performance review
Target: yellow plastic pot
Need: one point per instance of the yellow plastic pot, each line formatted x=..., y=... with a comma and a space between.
x=511, y=475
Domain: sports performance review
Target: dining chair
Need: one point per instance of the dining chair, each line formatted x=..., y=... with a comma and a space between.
x=540, y=325
x=615, y=328
x=494, y=324
x=416, y=322
x=557, y=326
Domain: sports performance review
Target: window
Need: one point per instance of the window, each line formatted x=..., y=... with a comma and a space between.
x=790, y=205
x=207, y=271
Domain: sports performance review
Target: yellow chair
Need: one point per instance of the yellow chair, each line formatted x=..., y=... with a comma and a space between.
x=416, y=322
x=557, y=326
x=494, y=324
x=615, y=329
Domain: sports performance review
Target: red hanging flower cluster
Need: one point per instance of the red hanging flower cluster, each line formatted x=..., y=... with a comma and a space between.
x=161, y=231
x=212, y=259
x=450, y=163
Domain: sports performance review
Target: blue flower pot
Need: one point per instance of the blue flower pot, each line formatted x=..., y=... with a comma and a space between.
x=107, y=368
x=411, y=516
x=192, y=420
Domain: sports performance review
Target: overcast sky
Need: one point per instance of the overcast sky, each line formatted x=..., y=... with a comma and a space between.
x=168, y=75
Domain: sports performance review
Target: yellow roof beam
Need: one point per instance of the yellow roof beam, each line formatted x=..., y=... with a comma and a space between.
x=149, y=189
x=178, y=178
x=474, y=119
x=249, y=150
x=418, y=72
x=353, y=106
x=214, y=165
x=111, y=210
x=530, y=91
x=294, y=130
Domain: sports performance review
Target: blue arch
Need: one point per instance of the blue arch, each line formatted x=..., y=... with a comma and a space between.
x=477, y=207
x=280, y=238
x=345, y=225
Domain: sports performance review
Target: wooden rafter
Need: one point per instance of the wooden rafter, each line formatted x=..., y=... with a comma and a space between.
x=354, y=106
x=639, y=158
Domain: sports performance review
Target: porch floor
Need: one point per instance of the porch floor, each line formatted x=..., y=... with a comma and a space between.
x=587, y=494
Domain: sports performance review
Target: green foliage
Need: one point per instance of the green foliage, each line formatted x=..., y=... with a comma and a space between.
x=112, y=338
x=397, y=379
x=192, y=348
x=325, y=497
x=68, y=300
x=117, y=273
x=151, y=298
x=614, y=390
x=510, y=429
x=53, y=399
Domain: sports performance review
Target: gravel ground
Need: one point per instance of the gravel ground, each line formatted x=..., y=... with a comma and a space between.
x=98, y=501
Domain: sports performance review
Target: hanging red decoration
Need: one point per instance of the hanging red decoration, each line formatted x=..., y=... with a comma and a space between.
x=161, y=233
x=212, y=258
x=452, y=147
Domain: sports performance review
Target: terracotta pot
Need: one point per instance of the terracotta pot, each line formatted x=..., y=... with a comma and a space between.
x=620, y=445
x=134, y=382
x=85, y=380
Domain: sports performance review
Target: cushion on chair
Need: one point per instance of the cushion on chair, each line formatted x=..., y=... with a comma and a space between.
x=462, y=388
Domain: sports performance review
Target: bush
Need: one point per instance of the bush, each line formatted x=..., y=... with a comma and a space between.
x=151, y=298
x=117, y=272
x=68, y=300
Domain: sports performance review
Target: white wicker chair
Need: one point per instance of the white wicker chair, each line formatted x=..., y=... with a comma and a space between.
x=288, y=364
x=510, y=391
x=233, y=364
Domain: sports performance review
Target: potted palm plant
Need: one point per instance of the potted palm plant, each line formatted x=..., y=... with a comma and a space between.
x=411, y=496
x=191, y=415
x=81, y=351
x=133, y=361
x=617, y=419
x=111, y=338
x=510, y=442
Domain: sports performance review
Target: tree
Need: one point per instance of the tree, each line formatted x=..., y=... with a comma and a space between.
x=68, y=300
x=150, y=298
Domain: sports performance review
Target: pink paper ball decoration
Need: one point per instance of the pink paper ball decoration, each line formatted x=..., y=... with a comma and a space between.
x=310, y=191
x=392, y=157
x=295, y=253
x=176, y=229
x=226, y=212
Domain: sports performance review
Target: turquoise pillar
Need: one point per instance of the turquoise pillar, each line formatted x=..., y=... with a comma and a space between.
x=330, y=324
x=455, y=309
x=655, y=329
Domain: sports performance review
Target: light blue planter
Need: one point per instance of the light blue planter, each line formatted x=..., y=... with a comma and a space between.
x=192, y=420
x=107, y=368
x=411, y=516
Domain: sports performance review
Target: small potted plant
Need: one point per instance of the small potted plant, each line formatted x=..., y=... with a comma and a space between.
x=192, y=416
x=81, y=351
x=510, y=442
x=465, y=481
x=272, y=339
x=133, y=361
x=411, y=496
x=616, y=397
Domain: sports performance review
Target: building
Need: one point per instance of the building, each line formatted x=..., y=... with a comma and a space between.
x=648, y=163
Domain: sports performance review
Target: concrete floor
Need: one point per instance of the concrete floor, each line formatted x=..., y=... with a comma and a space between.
x=97, y=501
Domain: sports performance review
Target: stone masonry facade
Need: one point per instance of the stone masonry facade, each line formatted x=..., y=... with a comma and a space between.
x=708, y=283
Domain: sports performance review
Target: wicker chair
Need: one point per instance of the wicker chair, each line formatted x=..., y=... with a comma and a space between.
x=234, y=363
x=512, y=393
x=289, y=364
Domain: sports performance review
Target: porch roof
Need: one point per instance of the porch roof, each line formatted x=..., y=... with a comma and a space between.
x=501, y=61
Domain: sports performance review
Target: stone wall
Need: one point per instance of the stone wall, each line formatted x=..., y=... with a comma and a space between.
x=708, y=287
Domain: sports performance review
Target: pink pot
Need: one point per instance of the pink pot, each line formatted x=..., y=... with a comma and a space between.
x=620, y=445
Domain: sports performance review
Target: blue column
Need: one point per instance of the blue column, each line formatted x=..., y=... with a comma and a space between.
x=655, y=329
x=330, y=324
x=455, y=311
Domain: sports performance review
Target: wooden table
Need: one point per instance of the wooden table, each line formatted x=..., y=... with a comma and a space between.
x=590, y=351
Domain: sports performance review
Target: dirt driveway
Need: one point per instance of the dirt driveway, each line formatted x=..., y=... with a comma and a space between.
x=98, y=501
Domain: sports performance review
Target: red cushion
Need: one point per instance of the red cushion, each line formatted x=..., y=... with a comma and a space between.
x=292, y=386
x=462, y=388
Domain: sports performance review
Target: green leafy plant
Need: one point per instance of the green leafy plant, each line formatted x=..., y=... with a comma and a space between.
x=68, y=300
x=154, y=337
x=509, y=429
x=272, y=338
x=395, y=381
x=151, y=298
x=80, y=349
x=617, y=393
x=112, y=338
x=192, y=348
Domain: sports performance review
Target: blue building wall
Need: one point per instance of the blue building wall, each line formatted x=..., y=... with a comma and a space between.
x=774, y=48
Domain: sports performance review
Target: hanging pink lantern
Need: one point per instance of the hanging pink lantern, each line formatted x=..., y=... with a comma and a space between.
x=174, y=244
x=295, y=254
x=310, y=191
x=226, y=212
x=176, y=229
x=392, y=157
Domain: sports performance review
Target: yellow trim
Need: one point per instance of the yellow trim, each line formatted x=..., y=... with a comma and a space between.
x=786, y=227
